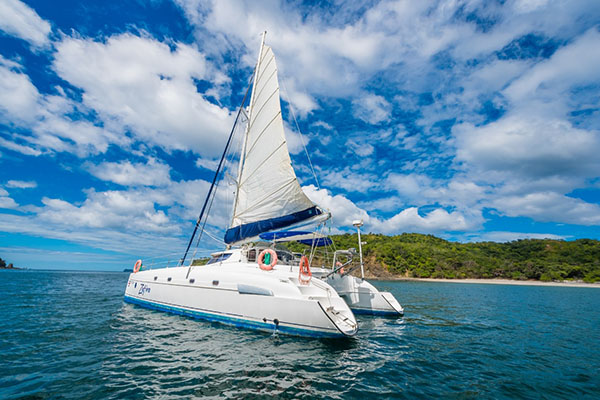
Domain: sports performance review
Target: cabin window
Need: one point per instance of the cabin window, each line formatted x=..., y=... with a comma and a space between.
x=169, y=279
x=252, y=255
x=219, y=258
x=283, y=257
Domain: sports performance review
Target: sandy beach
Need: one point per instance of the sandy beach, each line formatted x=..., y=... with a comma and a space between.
x=506, y=282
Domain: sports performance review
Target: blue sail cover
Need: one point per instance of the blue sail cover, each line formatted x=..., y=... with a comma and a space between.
x=304, y=237
x=253, y=229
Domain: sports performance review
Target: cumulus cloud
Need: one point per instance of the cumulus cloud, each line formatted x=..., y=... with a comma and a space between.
x=6, y=201
x=144, y=85
x=113, y=209
x=49, y=118
x=18, y=96
x=18, y=19
x=350, y=181
x=21, y=184
x=372, y=108
x=549, y=207
x=560, y=73
x=343, y=210
x=436, y=221
x=528, y=146
x=152, y=173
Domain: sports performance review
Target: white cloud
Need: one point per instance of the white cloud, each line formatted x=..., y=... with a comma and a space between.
x=47, y=117
x=549, y=207
x=18, y=19
x=343, y=210
x=409, y=186
x=21, y=184
x=438, y=220
x=529, y=146
x=207, y=163
x=6, y=201
x=152, y=173
x=349, y=180
x=19, y=148
x=372, y=108
x=113, y=209
x=143, y=85
x=561, y=72
x=18, y=96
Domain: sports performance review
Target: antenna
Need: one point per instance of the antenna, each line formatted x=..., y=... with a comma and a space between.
x=358, y=223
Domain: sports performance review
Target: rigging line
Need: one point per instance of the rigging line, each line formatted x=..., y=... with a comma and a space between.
x=214, y=238
x=300, y=132
x=206, y=219
x=214, y=179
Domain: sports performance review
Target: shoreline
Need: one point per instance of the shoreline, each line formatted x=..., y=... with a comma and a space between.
x=501, y=282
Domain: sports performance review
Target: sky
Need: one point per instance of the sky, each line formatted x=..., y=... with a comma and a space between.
x=468, y=120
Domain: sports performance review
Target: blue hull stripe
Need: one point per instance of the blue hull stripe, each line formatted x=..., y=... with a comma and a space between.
x=255, y=228
x=228, y=320
x=382, y=313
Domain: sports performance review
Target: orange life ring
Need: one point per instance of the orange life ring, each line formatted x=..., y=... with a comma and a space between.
x=137, y=266
x=304, y=271
x=261, y=259
x=341, y=270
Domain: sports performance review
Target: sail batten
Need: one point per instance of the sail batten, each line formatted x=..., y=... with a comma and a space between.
x=268, y=194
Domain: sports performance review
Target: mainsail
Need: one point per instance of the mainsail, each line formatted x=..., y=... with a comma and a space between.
x=268, y=194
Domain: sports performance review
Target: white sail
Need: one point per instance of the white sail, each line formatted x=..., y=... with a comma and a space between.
x=268, y=193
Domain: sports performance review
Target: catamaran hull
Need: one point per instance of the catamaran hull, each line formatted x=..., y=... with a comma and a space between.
x=263, y=301
x=364, y=298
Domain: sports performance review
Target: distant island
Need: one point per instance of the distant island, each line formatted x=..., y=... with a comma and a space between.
x=3, y=265
x=413, y=255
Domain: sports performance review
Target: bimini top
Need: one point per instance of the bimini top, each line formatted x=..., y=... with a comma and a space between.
x=308, y=238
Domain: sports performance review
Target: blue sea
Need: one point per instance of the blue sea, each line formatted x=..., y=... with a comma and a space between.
x=69, y=335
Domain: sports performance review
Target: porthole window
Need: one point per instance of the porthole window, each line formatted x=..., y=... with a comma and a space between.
x=169, y=279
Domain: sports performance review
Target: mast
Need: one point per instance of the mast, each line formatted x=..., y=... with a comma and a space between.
x=245, y=142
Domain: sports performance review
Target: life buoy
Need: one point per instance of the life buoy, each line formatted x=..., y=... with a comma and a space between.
x=137, y=266
x=261, y=259
x=340, y=270
x=304, y=275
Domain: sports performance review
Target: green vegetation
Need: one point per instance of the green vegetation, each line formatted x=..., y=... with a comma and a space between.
x=4, y=266
x=426, y=256
x=200, y=261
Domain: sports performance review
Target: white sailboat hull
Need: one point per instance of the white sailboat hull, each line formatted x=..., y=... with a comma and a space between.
x=243, y=295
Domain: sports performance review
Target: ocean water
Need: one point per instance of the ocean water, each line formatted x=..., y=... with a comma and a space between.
x=69, y=335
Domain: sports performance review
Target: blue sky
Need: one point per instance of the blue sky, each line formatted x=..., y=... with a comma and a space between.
x=470, y=120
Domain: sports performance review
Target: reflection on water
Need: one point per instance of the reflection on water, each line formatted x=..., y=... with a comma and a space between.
x=69, y=335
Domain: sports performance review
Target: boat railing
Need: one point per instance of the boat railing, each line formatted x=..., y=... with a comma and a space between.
x=169, y=261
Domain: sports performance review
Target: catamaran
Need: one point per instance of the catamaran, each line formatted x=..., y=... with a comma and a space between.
x=254, y=283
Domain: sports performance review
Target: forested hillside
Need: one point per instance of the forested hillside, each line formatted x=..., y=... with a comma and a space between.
x=426, y=256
